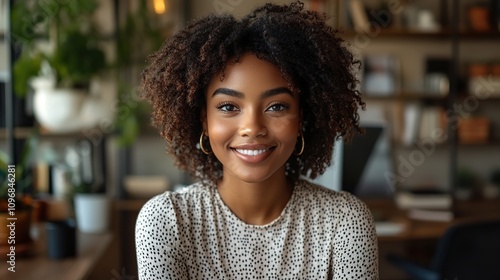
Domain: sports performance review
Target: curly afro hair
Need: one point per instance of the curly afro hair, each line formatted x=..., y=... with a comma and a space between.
x=311, y=57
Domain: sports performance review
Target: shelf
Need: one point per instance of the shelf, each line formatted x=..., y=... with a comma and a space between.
x=44, y=37
x=414, y=34
x=19, y=132
x=26, y=132
x=474, y=35
x=402, y=33
x=494, y=98
x=406, y=96
x=489, y=144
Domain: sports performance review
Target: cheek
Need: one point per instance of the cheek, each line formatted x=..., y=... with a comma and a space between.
x=219, y=130
x=286, y=126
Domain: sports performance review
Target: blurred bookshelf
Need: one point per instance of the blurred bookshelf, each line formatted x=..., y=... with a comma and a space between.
x=461, y=50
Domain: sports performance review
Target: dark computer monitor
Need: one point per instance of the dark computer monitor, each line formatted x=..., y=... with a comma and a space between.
x=360, y=166
x=366, y=161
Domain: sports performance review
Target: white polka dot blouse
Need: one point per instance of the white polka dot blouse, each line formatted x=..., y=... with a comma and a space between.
x=192, y=234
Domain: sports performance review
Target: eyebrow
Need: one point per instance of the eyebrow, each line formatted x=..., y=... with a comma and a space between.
x=239, y=94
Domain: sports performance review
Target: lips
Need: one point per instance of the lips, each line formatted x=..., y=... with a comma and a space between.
x=253, y=153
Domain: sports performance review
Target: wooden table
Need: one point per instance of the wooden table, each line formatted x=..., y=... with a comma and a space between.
x=465, y=211
x=418, y=240
x=37, y=265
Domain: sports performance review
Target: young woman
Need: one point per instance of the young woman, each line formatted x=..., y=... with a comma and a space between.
x=249, y=106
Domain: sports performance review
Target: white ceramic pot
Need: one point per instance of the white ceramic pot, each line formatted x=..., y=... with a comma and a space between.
x=92, y=212
x=58, y=109
x=66, y=110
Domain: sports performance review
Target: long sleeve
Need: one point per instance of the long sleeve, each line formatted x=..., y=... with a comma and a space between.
x=356, y=247
x=157, y=244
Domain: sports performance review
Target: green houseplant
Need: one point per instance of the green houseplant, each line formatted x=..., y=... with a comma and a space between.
x=466, y=183
x=61, y=53
x=75, y=55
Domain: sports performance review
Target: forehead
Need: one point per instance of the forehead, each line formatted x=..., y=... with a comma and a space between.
x=249, y=74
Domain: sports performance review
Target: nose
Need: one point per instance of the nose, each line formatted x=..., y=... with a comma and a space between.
x=252, y=124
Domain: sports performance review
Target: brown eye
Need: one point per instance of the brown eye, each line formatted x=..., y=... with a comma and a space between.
x=278, y=107
x=227, y=107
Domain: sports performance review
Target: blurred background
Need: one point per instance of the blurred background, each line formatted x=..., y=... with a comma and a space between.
x=72, y=127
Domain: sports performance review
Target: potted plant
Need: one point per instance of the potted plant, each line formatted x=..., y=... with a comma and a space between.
x=492, y=188
x=60, y=76
x=92, y=210
x=466, y=183
x=14, y=203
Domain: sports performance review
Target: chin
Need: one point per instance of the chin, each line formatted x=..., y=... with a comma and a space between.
x=254, y=176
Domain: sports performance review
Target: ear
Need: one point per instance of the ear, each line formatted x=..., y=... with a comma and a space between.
x=203, y=120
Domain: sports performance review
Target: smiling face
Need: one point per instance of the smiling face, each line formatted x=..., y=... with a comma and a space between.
x=252, y=120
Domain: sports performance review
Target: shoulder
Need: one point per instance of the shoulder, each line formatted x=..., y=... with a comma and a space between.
x=343, y=201
x=340, y=205
x=355, y=239
x=170, y=204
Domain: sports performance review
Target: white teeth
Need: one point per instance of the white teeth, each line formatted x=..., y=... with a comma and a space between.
x=251, y=152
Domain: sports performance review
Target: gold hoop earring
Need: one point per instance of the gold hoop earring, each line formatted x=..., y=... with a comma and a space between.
x=201, y=145
x=303, y=145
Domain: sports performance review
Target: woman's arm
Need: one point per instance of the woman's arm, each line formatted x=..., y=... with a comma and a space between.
x=157, y=241
x=356, y=246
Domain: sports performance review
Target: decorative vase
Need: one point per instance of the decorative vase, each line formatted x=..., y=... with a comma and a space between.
x=66, y=110
x=92, y=212
x=57, y=109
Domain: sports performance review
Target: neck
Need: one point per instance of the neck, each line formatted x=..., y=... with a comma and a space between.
x=256, y=203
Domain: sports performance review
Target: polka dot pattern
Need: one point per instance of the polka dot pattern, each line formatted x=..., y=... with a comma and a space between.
x=192, y=234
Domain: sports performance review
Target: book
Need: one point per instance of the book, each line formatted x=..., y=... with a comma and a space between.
x=424, y=200
x=42, y=178
x=431, y=120
x=431, y=215
x=412, y=114
x=389, y=228
x=359, y=17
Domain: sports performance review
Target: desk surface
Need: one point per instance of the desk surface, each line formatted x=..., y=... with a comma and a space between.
x=38, y=266
x=465, y=211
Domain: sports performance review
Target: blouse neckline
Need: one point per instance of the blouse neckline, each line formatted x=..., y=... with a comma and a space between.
x=233, y=218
